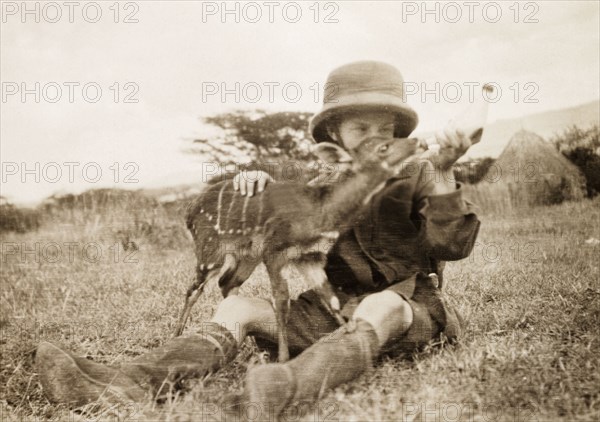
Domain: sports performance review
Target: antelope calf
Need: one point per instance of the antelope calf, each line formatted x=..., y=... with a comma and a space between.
x=289, y=223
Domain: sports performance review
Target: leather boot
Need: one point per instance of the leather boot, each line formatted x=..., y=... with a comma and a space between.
x=77, y=381
x=335, y=359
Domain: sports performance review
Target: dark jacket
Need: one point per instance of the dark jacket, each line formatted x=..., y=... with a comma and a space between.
x=404, y=230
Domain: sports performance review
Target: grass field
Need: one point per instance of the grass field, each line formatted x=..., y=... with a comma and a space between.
x=530, y=292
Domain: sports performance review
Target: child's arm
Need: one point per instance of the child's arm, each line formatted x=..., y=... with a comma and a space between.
x=255, y=180
x=450, y=224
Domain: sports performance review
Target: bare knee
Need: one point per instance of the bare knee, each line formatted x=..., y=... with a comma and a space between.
x=238, y=309
x=387, y=312
x=241, y=315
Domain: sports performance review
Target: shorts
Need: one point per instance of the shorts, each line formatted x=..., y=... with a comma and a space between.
x=309, y=320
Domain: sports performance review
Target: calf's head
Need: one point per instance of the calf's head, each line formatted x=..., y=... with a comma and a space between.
x=385, y=152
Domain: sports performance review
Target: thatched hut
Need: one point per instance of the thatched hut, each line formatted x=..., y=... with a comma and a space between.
x=535, y=173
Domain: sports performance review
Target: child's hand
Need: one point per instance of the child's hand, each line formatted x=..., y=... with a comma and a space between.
x=443, y=151
x=246, y=181
x=453, y=144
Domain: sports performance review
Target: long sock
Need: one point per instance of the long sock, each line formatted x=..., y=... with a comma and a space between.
x=183, y=358
x=333, y=360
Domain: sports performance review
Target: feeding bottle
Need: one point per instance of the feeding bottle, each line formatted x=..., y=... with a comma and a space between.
x=471, y=120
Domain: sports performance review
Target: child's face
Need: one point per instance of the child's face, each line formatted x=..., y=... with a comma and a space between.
x=354, y=128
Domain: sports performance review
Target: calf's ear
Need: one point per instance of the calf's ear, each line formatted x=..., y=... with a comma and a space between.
x=331, y=153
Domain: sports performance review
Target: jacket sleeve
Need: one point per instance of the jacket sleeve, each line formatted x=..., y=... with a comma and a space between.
x=449, y=224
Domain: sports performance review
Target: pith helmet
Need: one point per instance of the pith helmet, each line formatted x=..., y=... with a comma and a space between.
x=364, y=85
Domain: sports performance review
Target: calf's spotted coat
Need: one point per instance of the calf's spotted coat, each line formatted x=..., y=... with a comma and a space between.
x=289, y=223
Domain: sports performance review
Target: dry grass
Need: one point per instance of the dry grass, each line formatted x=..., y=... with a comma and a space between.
x=530, y=293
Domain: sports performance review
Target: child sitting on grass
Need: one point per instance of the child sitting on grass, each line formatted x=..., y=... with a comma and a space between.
x=387, y=272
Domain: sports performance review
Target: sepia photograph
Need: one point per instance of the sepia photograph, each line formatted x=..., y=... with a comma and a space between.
x=300, y=211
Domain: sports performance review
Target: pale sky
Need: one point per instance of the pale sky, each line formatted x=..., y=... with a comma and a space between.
x=175, y=52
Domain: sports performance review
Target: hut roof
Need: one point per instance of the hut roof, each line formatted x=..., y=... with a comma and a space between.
x=529, y=149
x=536, y=170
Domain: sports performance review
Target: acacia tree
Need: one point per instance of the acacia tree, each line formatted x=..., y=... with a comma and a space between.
x=256, y=137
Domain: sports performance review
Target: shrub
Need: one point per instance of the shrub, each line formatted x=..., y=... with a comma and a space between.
x=582, y=148
x=19, y=220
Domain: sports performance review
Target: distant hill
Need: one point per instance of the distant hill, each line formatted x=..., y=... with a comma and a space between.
x=546, y=124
